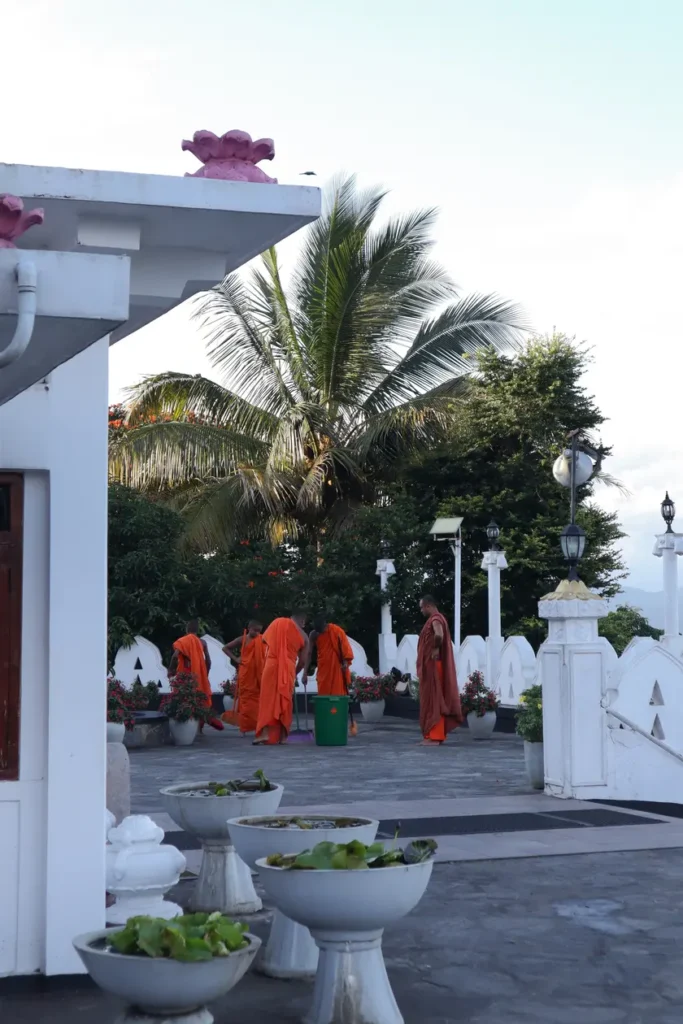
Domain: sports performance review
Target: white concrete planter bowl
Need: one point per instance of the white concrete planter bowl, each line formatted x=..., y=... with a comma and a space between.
x=481, y=726
x=163, y=987
x=347, y=912
x=224, y=882
x=291, y=951
x=372, y=710
x=228, y=703
x=183, y=734
x=535, y=767
x=115, y=732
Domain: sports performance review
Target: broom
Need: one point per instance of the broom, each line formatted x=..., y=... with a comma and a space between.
x=300, y=735
x=353, y=728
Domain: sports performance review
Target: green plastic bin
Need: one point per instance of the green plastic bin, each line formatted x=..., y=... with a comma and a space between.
x=331, y=721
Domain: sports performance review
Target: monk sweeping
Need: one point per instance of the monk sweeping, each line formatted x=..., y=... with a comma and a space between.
x=334, y=656
x=190, y=654
x=440, y=710
x=248, y=652
x=287, y=653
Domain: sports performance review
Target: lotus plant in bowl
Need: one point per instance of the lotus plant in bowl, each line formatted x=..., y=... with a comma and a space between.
x=347, y=894
x=290, y=951
x=202, y=809
x=169, y=970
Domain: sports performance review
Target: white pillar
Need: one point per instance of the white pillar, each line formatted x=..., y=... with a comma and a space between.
x=493, y=562
x=388, y=646
x=456, y=548
x=574, y=663
x=668, y=546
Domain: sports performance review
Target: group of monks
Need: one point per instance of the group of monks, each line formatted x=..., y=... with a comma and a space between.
x=269, y=662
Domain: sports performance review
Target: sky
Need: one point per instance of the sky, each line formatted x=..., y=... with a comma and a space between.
x=547, y=133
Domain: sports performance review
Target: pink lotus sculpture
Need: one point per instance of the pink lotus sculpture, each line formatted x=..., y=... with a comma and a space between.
x=13, y=221
x=230, y=157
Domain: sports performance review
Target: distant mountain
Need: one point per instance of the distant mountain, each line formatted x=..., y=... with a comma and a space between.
x=649, y=602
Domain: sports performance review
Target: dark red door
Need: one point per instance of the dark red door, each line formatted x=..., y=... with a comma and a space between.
x=11, y=558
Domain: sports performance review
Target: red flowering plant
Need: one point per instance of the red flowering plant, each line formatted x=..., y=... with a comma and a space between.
x=476, y=697
x=366, y=689
x=229, y=688
x=186, y=700
x=120, y=706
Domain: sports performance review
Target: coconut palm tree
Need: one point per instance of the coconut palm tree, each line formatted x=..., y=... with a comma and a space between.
x=327, y=384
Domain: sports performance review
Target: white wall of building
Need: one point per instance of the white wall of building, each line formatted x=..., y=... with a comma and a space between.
x=51, y=820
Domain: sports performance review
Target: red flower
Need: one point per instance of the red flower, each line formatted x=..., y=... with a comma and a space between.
x=251, y=584
x=255, y=604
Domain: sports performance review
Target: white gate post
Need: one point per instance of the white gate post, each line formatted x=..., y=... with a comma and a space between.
x=388, y=647
x=493, y=562
x=668, y=546
x=574, y=663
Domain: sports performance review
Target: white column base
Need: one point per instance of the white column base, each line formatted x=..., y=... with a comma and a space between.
x=352, y=983
x=291, y=951
x=224, y=883
x=132, y=1016
x=140, y=904
x=118, y=781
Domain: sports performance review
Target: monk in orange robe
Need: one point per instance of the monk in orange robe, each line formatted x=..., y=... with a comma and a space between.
x=190, y=654
x=249, y=654
x=440, y=710
x=287, y=654
x=334, y=656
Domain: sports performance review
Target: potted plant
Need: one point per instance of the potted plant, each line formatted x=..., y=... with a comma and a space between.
x=168, y=968
x=346, y=894
x=186, y=706
x=119, y=711
x=229, y=689
x=530, y=728
x=479, y=704
x=370, y=692
x=203, y=809
x=290, y=951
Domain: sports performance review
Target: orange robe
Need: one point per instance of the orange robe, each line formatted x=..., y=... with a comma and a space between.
x=191, y=658
x=440, y=710
x=252, y=661
x=333, y=648
x=285, y=640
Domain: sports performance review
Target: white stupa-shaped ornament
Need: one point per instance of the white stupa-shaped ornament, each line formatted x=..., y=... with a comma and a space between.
x=140, y=870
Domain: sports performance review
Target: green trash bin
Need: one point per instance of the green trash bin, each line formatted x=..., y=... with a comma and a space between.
x=331, y=721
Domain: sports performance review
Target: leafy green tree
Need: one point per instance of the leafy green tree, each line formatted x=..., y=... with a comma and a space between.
x=328, y=387
x=625, y=623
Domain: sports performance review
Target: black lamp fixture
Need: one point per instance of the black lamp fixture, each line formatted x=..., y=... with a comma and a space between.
x=493, y=533
x=384, y=549
x=573, y=544
x=668, y=512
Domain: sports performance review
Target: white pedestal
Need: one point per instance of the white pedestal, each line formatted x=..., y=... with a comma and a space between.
x=224, y=882
x=118, y=781
x=291, y=951
x=352, y=983
x=132, y=1016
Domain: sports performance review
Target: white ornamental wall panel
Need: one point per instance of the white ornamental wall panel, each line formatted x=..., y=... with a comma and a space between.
x=360, y=665
x=470, y=658
x=142, y=660
x=648, y=681
x=221, y=666
x=406, y=657
x=518, y=670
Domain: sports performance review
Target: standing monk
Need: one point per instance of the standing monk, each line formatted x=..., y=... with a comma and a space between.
x=440, y=710
x=190, y=654
x=287, y=654
x=334, y=658
x=250, y=661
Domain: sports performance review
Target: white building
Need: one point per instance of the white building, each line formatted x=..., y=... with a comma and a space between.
x=115, y=251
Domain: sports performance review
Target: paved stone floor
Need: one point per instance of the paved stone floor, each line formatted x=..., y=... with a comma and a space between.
x=384, y=761
x=560, y=940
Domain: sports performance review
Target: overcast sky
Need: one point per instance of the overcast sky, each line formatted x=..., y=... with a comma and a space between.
x=547, y=133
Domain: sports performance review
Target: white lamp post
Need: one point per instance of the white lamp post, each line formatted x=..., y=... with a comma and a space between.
x=667, y=547
x=450, y=530
x=388, y=646
x=493, y=561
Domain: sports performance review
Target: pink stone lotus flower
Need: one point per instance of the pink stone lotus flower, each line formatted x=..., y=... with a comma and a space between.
x=230, y=157
x=13, y=221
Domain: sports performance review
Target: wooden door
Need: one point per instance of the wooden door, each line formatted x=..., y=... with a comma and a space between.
x=11, y=559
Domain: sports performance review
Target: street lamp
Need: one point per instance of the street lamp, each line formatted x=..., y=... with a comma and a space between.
x=493, y=533
x=450, y=530
x=573, y=543
x=573, y=468
x=668, y=512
